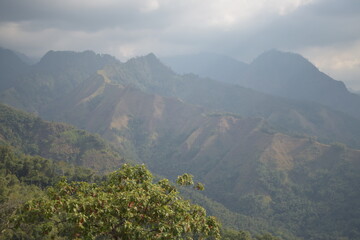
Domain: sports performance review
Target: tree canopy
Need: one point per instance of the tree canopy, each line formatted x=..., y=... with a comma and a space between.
x=127, y=205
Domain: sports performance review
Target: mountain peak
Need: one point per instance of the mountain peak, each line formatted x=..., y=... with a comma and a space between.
x=71, y=55
x=277, y=58
x=8, y=55
x=153, y=59
x=65, y=54
x=60, y=60
x=151, y=56
x=150, y=60
x=10, y=67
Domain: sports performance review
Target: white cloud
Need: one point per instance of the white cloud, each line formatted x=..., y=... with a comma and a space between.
x=341, y=61
x=228, y=13
x=319, y=29
x=150, y=5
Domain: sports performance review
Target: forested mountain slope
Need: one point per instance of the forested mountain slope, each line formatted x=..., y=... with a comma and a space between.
x=57, y=141
x=251, y=169
x=59, y=73
x=249, y=148
x=24, y=177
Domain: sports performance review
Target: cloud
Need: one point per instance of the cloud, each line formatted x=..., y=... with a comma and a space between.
x=309, y=25
x=125, y=28
x=94, y=14
x=341, y=61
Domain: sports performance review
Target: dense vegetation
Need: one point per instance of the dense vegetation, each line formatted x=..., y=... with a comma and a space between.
x=128, y=205
x=57, y=141
x=266, y=168
x=23, y=177
x=315, y=203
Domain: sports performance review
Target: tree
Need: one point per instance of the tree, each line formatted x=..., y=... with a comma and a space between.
x=128, y=205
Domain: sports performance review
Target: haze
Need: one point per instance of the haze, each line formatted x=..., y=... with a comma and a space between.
x=324, y=31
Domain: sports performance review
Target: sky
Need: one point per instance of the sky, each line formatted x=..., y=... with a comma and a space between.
x=326, y=32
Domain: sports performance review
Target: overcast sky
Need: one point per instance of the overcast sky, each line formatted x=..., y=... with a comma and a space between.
x=327, y=32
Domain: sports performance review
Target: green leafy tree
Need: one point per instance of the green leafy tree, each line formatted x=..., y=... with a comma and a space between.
x=128, y=205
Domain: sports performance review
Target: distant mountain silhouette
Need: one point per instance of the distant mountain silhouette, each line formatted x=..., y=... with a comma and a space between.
x=210, y=65
x=57, y=73
x=292, y=76
x=11, y=66
x=87, y=61
x=26, y=59
x=282, y=113
x=278, y=73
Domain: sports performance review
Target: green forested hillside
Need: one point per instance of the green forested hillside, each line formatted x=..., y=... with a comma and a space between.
x=124, y=205
x=23, y=177
x=268, y=160
x=237, y=158
x=57, y=141
x=234, y=223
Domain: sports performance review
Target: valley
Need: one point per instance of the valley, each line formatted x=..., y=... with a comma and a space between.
x=272, y=160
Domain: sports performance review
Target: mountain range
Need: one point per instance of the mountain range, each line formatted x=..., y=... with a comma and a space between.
x=263, y=152
x=274, y=72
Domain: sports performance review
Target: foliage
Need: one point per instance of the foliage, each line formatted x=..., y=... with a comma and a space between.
x=317, y=199
x=300, y=199
x=128, y=205
x=22, y=177
x=38, y=171
x=57, y=141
